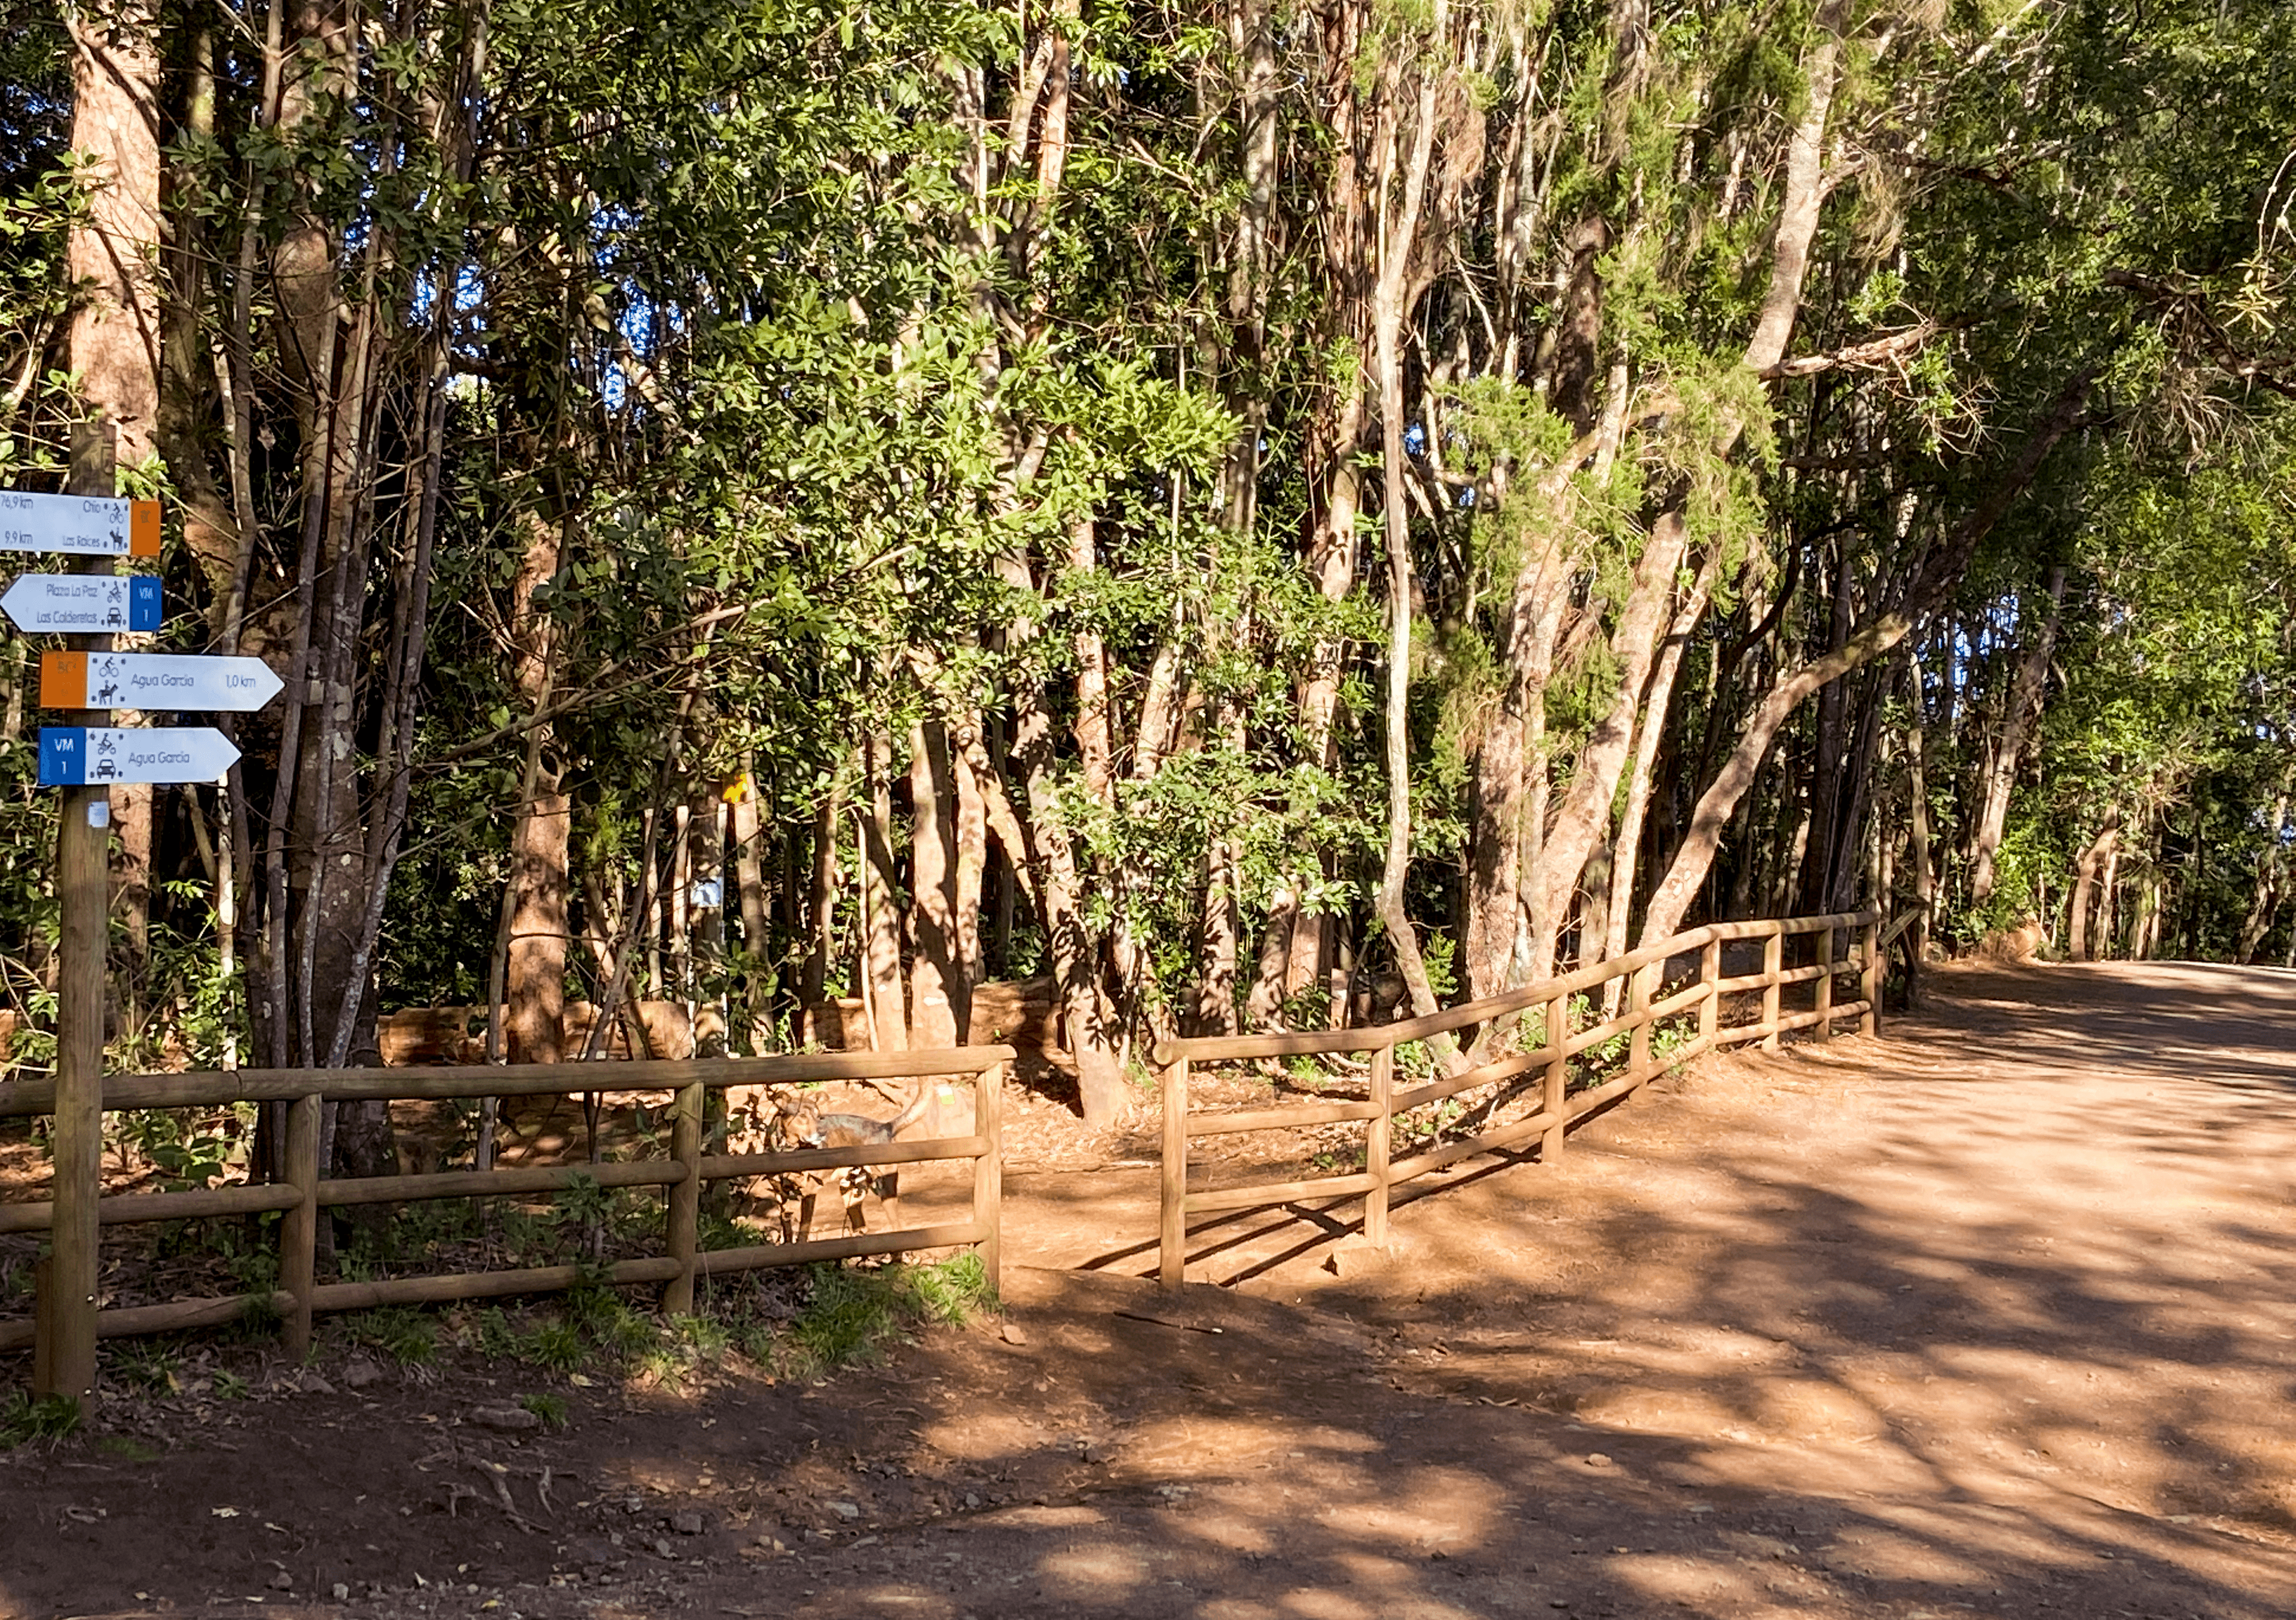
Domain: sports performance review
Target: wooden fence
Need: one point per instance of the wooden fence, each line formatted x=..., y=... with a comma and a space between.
x=1559, y=1106
x=304, y=1193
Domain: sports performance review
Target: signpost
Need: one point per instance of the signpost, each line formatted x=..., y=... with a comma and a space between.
x=155, y=680
x=85, y=604
x=85, y=761
x=92, y=525
x=75, y=756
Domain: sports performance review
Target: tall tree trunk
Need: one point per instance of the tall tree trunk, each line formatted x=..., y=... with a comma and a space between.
x=2016, y=726
x=1398, y=243
x=820, y=909
x=2087, y=870
x=114, y=337
x=939, y=993
x=2258, y=923
x=705, y=830
x=884, y=1000
x=535, y=979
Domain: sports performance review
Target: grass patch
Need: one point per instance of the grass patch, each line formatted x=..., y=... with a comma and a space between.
x=856, y=1315
x=791, y=1324
x=29, y=1417
x=408, y=1336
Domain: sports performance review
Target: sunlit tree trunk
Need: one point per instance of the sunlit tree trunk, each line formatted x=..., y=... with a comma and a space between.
x=2016, y=726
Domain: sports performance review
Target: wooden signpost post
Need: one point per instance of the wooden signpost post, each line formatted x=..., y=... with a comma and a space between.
x=63, y=1355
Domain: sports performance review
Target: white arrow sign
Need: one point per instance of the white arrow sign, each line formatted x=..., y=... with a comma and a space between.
x=72, y=757
x=83, y=603
x=89, y=524
x=154, y=680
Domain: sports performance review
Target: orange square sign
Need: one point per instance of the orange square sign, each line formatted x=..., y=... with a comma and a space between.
x=144, y=528
x=63, y=679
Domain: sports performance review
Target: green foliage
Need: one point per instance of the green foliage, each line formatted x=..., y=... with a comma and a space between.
x=405, y=1334
x=26, y=1417
x=855, y=1314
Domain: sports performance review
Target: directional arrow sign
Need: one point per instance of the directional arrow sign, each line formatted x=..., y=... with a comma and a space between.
x=83, y=603
x=72, y=756
x=153, y=680
x=78, y=523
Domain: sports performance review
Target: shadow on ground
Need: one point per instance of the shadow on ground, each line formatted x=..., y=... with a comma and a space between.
x=1992, y=1316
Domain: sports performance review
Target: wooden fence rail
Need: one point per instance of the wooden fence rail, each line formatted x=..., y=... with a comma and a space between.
x=1558, y=1109
x=304, y=1192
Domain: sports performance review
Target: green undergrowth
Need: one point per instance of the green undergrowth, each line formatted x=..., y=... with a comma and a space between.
x=26, y=1417
x=796, y=1324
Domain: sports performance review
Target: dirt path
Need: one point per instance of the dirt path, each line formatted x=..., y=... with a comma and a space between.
x=1994, y=1316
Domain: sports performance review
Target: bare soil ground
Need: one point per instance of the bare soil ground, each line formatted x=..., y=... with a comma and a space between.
x=1993, y=1316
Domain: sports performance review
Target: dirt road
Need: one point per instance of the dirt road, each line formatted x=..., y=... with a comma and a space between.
x=1992, y=1316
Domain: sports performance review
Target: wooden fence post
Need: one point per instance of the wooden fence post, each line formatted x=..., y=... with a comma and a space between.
x=1172, y=1229
x=1709, y=1011
x=684, y=1199
x=1378, y=1143
x=1869, y=977
x=1558, y=1076
x=299, y=1227
x=988, y=1170
x=1773, y=963
x=1826, y=984
x=1638, y=1042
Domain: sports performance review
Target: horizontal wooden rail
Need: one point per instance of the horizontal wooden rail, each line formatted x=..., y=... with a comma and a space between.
x=1217, y=1049
x=798, y=1160
x=482, y=1284
x=1489, y=1141
x=860, y=1246
x=210, y=1089
x=497, y=1184
x=128, y=1209
x=1279, y=1192
x=177, y=1316
x=1637, y=1022
x=303, y=1193
x=1485, y=1073
x=1279, y=1119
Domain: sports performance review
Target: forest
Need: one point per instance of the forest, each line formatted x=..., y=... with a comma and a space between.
x=1251, y=512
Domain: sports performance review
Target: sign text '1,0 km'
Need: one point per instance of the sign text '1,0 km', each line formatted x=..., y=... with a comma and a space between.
x=154, y=680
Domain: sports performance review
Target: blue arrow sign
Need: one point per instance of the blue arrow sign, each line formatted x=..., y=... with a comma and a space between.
x=73, y=755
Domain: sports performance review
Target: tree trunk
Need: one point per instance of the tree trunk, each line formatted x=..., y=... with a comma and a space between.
x=705, y=831
x=2001, y=773
x=1388, y=313
x=2258, y=923
x=2087, y=870
x=535, y=977
x=114, y=337
x=883, y=1000
x=939, y=993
